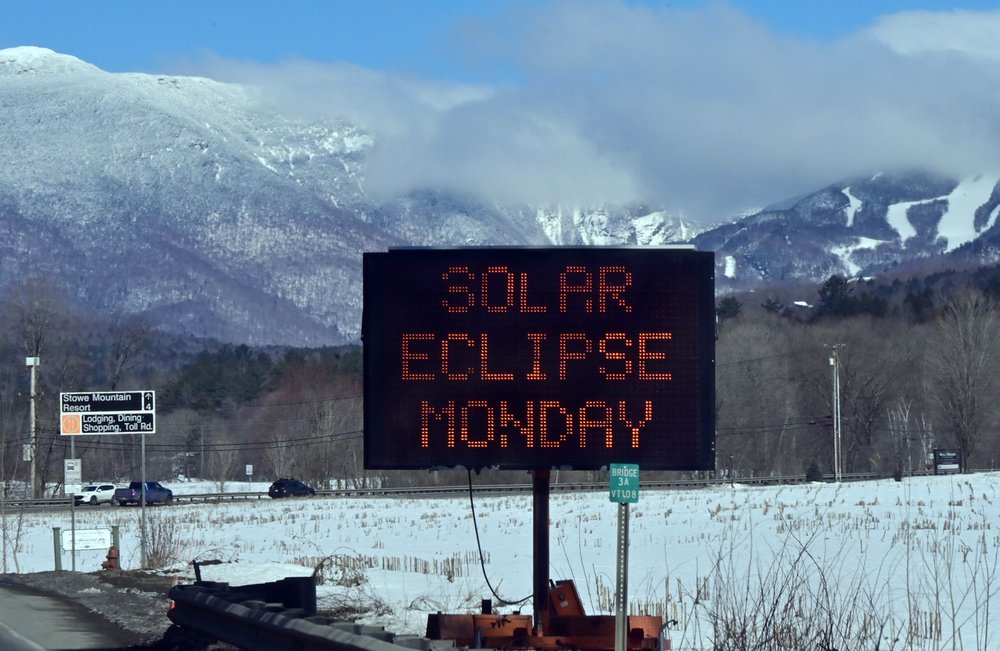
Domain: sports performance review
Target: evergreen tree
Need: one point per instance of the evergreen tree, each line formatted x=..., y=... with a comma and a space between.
x=772, y=306
x=992, y=289
x=835, y=298
x=920, y=304
x=728, y=308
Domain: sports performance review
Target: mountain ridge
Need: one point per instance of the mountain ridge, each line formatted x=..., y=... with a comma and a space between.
x=194, y=202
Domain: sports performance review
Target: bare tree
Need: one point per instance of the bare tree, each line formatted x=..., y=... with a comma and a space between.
x=336, y=421
x=280, y=456
x=876, y=362
x=34, y=306
x=223, y=463
x=961, y=368
x=869, y=365
x=759, y=421
x=899, y=432
x=129, y=334
x=906, y=430
x=310, y=425
x=35, y=310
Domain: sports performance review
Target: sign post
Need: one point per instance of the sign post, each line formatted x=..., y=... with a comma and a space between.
x=29, y=454
x=72, y=484
x=536, y=358
x=113, y=412
x=624, y=489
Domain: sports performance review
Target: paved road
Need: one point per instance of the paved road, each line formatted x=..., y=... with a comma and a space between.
x=34, y=622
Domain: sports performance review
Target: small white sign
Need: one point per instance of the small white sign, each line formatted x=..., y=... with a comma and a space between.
x=249, y=470
x=86, y=539
x=73, y=476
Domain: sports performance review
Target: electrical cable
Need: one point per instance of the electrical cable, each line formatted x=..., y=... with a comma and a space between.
x=482, y=561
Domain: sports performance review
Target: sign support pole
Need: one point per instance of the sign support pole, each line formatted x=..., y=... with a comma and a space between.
x=621, y=579
x=32, y=362
x=72, y=524
x=142, y=500
x=540, y=582
x=624, y=489
x=72, y=483
x=111, y=412
x=72, y=454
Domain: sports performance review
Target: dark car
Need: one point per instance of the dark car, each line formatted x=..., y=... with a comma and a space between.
x=155, y=494
x=289, y=488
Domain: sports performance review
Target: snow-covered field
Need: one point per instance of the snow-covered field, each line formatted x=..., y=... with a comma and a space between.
x=911, y=563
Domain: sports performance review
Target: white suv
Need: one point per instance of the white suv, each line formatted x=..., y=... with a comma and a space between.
x=95, y=494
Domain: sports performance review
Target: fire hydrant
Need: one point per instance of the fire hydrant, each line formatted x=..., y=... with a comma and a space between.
x=112, y=562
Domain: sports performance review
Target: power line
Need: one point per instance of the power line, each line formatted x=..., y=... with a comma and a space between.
x=285, y=403
x=750, y=430
x=750, y=360
x=101, y=444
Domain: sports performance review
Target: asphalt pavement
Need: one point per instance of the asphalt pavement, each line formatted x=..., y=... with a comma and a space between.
x=30, y=621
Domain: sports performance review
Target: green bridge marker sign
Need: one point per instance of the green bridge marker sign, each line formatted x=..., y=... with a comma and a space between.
x=624, y=483
x=624, y=491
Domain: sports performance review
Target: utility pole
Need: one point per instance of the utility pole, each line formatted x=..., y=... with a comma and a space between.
x=32, y=363
x=837, y=449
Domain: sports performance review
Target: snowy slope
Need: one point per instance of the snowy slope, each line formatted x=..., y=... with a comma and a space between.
x=958, y=223
x=919, y=556
x=860, y=227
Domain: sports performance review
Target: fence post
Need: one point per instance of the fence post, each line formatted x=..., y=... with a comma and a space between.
x=57, y=547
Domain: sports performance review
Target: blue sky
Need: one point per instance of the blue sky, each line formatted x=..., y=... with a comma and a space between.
x=423, y=37
x=705, y=108
x=152, y=36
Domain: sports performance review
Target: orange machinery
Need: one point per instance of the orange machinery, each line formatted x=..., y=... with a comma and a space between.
x=565, y=626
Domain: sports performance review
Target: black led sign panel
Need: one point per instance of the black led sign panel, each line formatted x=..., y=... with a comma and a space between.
x=529, y=358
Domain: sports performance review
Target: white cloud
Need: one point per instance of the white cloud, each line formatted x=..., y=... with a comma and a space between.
x=972, y=33
x=703, y=110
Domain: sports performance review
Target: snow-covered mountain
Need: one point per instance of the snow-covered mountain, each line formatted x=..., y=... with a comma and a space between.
x=194, y=202
x=861, y=226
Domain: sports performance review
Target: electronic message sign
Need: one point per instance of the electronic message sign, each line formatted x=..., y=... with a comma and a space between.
x=530, y=358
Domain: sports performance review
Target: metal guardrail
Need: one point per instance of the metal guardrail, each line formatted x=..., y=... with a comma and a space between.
x=410, y=491
x=27, y=502
x=219, y=497
x=425, y=491
x=250, y=618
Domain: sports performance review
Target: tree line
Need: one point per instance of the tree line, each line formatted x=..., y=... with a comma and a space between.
x=917, y=361
x=918, y=370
